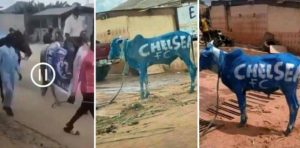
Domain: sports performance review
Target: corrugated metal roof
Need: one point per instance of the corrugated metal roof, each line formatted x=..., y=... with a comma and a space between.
x=90, y=5
x=144, y=4
x=54, y=11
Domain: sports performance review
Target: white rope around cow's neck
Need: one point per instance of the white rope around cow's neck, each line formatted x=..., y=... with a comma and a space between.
x=217, y=109
x=220, y=66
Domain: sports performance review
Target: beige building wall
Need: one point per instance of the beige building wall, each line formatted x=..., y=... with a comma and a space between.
x=130, y=26
x=117, y=26
x=151, y=26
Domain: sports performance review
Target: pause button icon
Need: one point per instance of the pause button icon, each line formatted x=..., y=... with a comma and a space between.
x=42, y=74
x=45, y=75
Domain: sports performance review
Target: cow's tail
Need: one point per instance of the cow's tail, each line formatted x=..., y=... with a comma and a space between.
x=43, y=68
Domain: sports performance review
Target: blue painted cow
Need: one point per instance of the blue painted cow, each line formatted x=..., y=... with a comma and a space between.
x=265, y=73
x=140, y=53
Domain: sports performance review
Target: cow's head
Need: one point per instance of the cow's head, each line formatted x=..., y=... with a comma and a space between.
x=115, y=49
x=209, y=58
x=17, y=40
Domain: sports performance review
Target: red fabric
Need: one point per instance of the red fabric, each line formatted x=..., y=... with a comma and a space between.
x=86, y=76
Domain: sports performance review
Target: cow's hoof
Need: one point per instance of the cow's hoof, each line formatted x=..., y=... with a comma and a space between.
x=147, y=95
x=287, y=132
x=43, y=91
x=143, y=98
x=71, y=99
x=191, y=91
x=240, y=125
x=8, y=111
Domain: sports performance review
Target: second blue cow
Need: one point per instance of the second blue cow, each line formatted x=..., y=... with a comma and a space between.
x=265, y=73
x=140, y=53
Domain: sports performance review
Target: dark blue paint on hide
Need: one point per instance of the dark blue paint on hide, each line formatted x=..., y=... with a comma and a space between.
x=56, y=57
x=141, y=53
x=265, y=73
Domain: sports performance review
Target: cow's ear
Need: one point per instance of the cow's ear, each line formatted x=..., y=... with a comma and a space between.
x=210, y=45
x=120, y=41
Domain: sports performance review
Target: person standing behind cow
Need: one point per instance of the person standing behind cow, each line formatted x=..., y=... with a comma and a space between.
x=47, y=39
x=86, y=82
x=204, y=27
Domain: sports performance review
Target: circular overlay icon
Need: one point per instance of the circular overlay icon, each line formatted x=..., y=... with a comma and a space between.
x=46, y=74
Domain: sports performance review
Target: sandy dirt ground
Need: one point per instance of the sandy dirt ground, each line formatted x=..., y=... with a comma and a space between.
x=35, y=123
x=166, y=119
x=267, y=119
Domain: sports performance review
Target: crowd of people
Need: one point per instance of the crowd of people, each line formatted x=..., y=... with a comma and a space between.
x=79, y=60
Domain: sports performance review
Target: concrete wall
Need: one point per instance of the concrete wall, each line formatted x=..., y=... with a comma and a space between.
x=284, y=23
x=248, y=23
x=245, y=24
x=218, y=18
x=12, y=20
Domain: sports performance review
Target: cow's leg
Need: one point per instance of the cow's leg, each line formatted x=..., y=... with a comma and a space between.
x=146, y=85
x=292, y=101
x=241, y=96
x=192, y=70
x=54, y=94
x=43, y=69
x=142, y=72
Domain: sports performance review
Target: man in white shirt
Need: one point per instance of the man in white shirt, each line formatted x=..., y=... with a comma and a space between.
x=75, y=35
x=74, y=25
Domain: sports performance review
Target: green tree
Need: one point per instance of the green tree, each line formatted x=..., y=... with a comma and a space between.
x=34, y=7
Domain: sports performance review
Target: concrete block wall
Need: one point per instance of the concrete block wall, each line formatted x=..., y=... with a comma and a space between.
x=248, y=23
